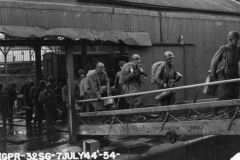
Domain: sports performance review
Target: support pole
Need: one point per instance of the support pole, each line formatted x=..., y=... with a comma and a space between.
x=84, y=56
x=38, y=61
x=71, y=96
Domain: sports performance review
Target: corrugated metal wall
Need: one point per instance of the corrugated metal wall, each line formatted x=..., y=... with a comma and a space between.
x=207, y=33
x=85, y=17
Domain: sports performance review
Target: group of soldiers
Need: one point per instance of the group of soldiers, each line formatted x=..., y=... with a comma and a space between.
x=132, y=75
x=95, y=84
x=44, y=98
x=127, y=81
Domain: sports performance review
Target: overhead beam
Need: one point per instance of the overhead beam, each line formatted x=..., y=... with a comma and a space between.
x=204, y=127
x=53, y=43
x=202, y=105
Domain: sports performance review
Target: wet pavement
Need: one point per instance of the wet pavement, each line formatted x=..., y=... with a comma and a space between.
x=26, y=139
x=23, y=139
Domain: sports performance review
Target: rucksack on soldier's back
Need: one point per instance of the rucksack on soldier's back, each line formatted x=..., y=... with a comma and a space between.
x=125, y=69
x=155, y=71
x=86, y=83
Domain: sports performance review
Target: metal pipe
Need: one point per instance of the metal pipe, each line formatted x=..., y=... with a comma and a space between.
x=164, y=90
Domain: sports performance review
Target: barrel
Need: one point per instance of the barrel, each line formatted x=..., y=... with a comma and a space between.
x=2, y=140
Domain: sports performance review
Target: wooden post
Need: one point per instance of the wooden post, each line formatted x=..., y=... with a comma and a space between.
x=84, y=56
x=71, y=96
x=38, y=61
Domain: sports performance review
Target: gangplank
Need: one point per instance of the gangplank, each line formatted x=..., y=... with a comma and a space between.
x=191, y=118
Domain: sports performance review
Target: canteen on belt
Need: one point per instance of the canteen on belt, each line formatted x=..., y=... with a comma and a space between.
x=108, y=102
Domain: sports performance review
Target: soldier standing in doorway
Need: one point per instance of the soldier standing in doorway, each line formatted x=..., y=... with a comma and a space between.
x=224, y=66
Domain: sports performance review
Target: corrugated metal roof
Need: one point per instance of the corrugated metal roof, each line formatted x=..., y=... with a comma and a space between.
x=129, y=38
x=211, y=5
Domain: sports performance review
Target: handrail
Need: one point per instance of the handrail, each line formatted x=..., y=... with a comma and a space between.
x=163, y=90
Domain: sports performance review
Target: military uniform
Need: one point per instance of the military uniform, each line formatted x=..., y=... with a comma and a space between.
x=39, y=107
x=132, y=84
x=166, y=74
x=224, y=66
x=99, y=85
x=48, y=98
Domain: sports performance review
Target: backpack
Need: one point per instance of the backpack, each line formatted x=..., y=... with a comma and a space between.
x=155, y=72
x=86, y=84
x=125, y=69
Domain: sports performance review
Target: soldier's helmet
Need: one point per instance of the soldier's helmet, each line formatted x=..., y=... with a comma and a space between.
x=168, y=55
x=49, y=85
x=121, y=63
x=13, y=85
x=42, y=82
x=81, y=71
x=233, y=35
x=136, y=58
x=100, y=65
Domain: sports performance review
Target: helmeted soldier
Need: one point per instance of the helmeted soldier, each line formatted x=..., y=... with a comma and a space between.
x=48, y=98
x=166, y=77
x=131, y=78
x=12, y=95
x=99, y=85
x=39, y=106
x=81, y=76
x=117, y=77
x=224, y=65
x=28, y=102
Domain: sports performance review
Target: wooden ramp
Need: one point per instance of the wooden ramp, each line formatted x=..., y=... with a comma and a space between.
x=198, y=124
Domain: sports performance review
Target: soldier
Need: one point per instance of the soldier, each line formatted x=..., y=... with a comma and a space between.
x=4, y=107
x=131, y=78
x=12, y=96
x=99, y=85
x=28, y=102
x=167, y=78
x=224, y=65
x=119, y=87
x=117, y=77
x=39, y=106
x=81, y=76
x=48, y=98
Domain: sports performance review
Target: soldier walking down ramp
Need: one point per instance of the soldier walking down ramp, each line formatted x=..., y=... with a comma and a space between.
x=99, y=86
x=131, y=78
x=224, y=66
x=166, y=77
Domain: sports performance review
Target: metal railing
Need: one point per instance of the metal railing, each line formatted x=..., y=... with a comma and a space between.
x=163, y=90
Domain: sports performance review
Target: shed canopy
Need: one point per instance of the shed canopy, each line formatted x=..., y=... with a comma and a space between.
x=129, y=38
x=209, y=5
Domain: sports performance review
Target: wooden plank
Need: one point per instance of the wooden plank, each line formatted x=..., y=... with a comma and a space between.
x=206, y=127
x=203, y=105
